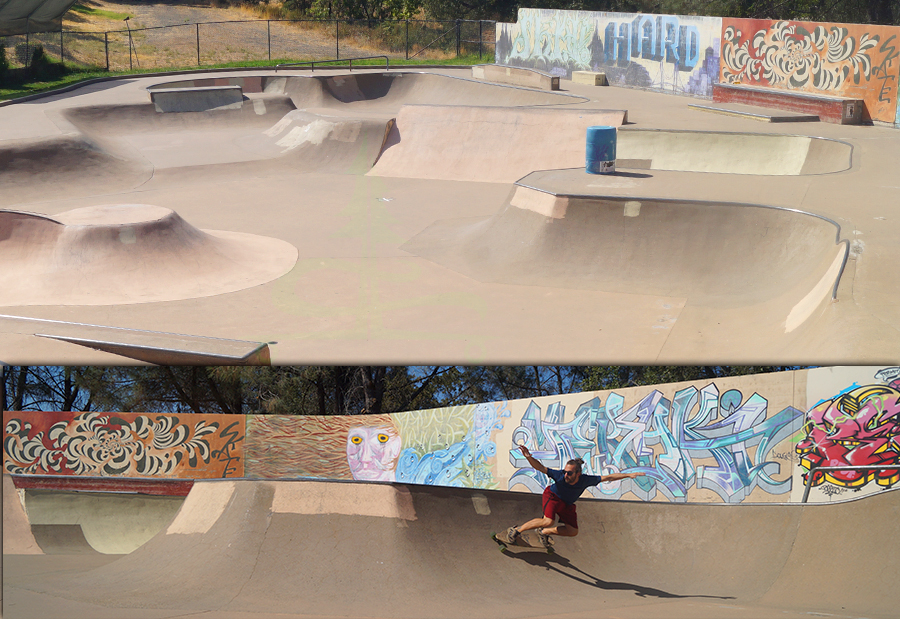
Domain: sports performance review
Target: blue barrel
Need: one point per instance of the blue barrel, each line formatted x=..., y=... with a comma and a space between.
x=601, y=150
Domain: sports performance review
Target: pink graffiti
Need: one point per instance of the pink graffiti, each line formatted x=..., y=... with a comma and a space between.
x=860, y=427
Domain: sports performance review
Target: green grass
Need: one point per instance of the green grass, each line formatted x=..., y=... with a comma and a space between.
x=60, y=76
x=86, y=10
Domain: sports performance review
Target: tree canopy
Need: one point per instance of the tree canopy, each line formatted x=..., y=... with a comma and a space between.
x=318, y=390
x=885, y=12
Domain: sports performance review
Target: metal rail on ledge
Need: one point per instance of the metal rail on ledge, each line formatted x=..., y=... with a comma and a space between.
x=815, y=469
x=312, y=63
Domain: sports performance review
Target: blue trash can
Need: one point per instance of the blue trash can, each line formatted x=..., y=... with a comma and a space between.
x=601, y=150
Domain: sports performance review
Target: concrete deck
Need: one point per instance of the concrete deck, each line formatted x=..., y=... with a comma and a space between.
x=293, y=168
x=242, y=549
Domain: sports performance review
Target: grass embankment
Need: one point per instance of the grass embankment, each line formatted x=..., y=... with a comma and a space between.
x=83, y=9
x=47, y=75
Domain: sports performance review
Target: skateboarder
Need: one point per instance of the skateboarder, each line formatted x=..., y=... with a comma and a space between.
x=559, y=498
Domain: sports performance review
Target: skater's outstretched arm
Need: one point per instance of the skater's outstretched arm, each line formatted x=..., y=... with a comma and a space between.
x=618, y=476
x=534, y=463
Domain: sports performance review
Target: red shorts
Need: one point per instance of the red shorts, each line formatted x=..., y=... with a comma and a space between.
x=554, y=506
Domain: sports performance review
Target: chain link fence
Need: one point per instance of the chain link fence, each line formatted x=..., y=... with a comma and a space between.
x=204, y=44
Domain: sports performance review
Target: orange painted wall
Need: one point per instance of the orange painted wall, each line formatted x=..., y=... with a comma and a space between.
x=123, y=444
x=846, y=60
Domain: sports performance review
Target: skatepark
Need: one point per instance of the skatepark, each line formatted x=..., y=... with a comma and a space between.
x=300, y=517
x=241, y=549
x=398, y=215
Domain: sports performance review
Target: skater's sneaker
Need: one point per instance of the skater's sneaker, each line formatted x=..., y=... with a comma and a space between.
x=512, y=534
x=545, y=540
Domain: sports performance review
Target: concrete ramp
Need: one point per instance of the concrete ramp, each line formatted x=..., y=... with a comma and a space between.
x=61, y=539
x=489, y=144
x=355, y=550
x=64, y=167
x=321, y=142
x=17, y=536
x=378, y=90
x=128, y=253
x=393, y=89
x=717, y=254
x=265, y=128
x=104, y=522
x=730, y=153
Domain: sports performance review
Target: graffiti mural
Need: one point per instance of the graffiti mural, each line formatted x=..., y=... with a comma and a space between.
x=372, y=452
x=859, y=426
x=452, y=446
x=660, y=52
x=846, y=60
x=699, y=438
x=334, y=447
x=734, y=440
x=123, y=444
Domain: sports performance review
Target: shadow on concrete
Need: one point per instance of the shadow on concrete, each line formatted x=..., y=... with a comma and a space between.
x=629, y=174
x=557, y=563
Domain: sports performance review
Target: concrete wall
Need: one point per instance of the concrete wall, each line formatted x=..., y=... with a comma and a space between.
x=670, y=53
x=688, y=54
x=732, y=440
x=844, y=60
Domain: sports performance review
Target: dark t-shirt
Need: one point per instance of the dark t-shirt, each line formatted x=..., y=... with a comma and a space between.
x=569, y=493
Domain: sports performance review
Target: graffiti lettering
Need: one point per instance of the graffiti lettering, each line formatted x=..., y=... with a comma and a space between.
x=859, y=427
x=668, y=440
x=658, y=52
x=653, y=37
x=882, y=71
x=831, y=491
x=564, y=39
x=225, y=454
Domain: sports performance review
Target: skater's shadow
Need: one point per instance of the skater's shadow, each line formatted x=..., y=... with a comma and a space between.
x=564, y=566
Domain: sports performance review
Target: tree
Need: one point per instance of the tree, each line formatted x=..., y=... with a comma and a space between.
x=321, y=390
x=622, y=376
x=50, y=388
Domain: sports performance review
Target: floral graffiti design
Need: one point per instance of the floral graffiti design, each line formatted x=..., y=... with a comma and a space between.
x=788, y=55
x=858, y=427
x=843, y=60
x=113, y=445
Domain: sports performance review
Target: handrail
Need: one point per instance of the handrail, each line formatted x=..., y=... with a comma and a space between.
x=387, y=62
x=859, y=467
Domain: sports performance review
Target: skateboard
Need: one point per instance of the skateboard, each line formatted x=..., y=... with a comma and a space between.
x=528, y=539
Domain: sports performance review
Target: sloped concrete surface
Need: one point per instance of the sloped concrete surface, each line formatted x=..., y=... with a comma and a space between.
x=254, y=548
x=296, y=165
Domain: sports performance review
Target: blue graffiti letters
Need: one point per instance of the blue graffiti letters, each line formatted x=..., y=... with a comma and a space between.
x=658, y=38
x=698, y=439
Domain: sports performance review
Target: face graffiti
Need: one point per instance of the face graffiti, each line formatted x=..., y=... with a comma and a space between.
x=859, y=427
x=372, y=452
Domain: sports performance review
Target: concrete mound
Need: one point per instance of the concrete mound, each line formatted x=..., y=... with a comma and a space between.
x=128, y=253
x=715, y=254
x=329, y=549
